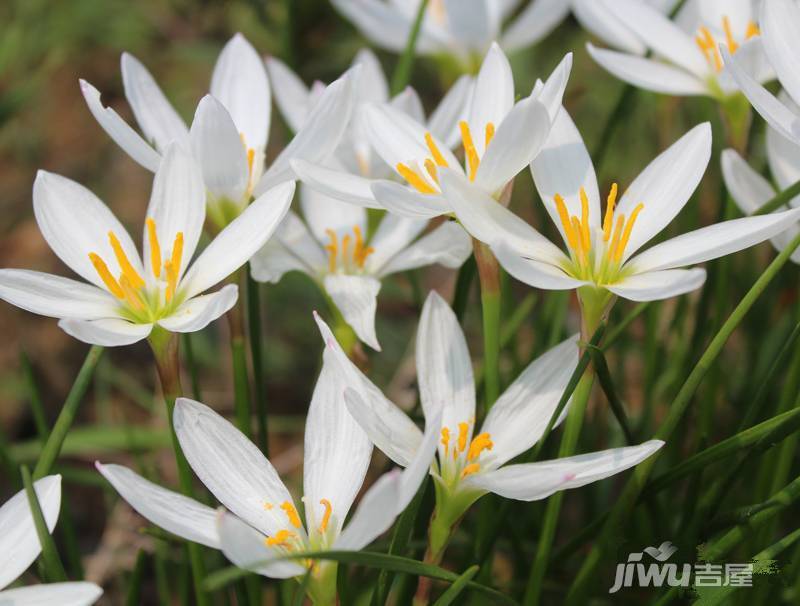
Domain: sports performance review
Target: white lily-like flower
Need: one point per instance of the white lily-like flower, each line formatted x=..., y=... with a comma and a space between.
x=230, y=130
x=473, y=462
x=500, y=137
x=688, y=52
x=463, y=29
x=20, y=546
x=260, y=524
x=602, y=259
x=750, y=190
x=128, y=295
x=621, y=35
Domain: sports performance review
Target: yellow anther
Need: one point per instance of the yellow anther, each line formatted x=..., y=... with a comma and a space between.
x=481, y=442
x=726, y=26
x=585, y=235
x=752, y=30
x=627, y=233
x=172, y=279
x=705, y=40
x=124, y=264
x=608, y=222
x=414, y=179
x=469, y=149
x=463, y=430
x=155, y=249
x=105, y=275
x=572, y=238
x=431, y=168
x=333, y=249
x=616, y=237
x=131, y=294
x=291, y=513
x=251, y=154
x=489, y=133
x=470, y=469
x=445, y=439
x=267, y=505
x=346, y=247
x=281, y=539
x=326, y=516
x=177, y=252
x=434, y=149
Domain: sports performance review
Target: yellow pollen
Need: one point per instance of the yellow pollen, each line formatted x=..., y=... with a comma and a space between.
x=480, y=443
x=124, y=264
x=627, y=233
x=609, y=219
x=414, y=179
x=752, y=30
x=572, y=238
x=332, y=249
x=470, y=469
x=445, y=439
x=291, y=513
x=726, y=26
x=469, y=149
x=105, y=275
x=267, y=505
x=281, y=539
x=431, y=168
x=587, y=242
x=155, y=249
x=489, y=133
x=326, y=516
x=434, y=149
x=463, y=429
x=131, y=294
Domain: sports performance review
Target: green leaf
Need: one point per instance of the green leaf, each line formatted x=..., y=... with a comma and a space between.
x=780, y=199
x=607, y=385
x=133, y=596
x=53, y=567
x=456, y=588
x=402, y=72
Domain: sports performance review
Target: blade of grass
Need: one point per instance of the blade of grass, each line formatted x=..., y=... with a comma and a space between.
x=53, y=567
x=34, y=397
x=607, y=385
x=456, y=588
x=257, y=357
x=134, y=593
x=402, y=72
x=780, y=199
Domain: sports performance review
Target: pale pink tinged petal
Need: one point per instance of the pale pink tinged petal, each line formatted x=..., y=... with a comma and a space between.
x=108, y=332
x=780, y=27
x=657, y=285
x=356, y=298
x=606, y=26
x=539, y=274
x=291, y=95
x=447, y=245
x=198, y=312
x=535, y=22
x=337, y=184
x=407, y=202
x=493, y=95
x=63, y=594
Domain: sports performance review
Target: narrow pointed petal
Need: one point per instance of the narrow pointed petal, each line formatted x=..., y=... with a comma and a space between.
x=198, y=312
x=443, y=121
x=448, y=245
x=410, y=104
x=469, y=22
x=780, y=24
x=19, y=544
x=356, y=297
x=337, y=184
x=747, y=188
x=407, y=202
x=376, y=512
x=120, y=131
x=657, y=285
x=551, y=92
x=240, y=240
x=158, y=120
x=240, y=83
x=108, y=332
x=493, y=95
x=63, y=594
x=291, y=95
x=536, y=481
x=534, y=23
x=175, y=513
x=231, y=467
x=419, y=467
x=533, y=272
x=783, y=155
x=372, y=84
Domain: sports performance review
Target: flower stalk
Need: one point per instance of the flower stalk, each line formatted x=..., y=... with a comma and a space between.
x=489, y=276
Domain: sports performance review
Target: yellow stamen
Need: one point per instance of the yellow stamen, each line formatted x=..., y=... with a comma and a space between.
x=572, y=238
x=615, y=238
x=102, y=270
x=172, y=279
x=627, y=233
x=361, y=252
x=463, y=429
x=131, y=294
x=489, y=133
x=177, y=252
x=437, y=155
x=609, y=220
x=579, y=248
x=469, y=149
x=124, y=264
x=251, y=154
x=709, y=47
x=267, y=505
x=445, y=439
x=281, y=538
x=291, y=513
x=155, y=249
x=470, y=469
x=726, y=26
x=414, y=179
x=326, y=516
x=431, y=168
x=752, y=30
x=345, y=247
x=587, y=242
x=332, y=249
x=480, y=443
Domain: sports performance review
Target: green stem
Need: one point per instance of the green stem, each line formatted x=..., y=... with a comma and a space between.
x=52, y=563
x=191, y=366
x=489, y=275
x=241, y=387
x=55, y=440
x=257, y=356
x=780, y=199
x=402, y=73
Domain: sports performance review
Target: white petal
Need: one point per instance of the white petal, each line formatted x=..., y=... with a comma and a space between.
x=291, y=95
x=19, y=543
x=657, y=285
x=63, y=594
x=493, y=95
x=783, y=154
x=158, y=120
x=246, y=548
x=443, y=121
x=323, y=213
x=517, y=141
x=239, y=241
x=231, y=467
x=337, y=184
x=780, y=26
x=535, y=22
x=372, y=85
x=647, y=73
x=395, y=233
x=419, y=467
x=535, y=481
x=747, y=188
x=448, y=245
x=108, y=332
x=374, y=515
x=750, y=56
x=407, y=202
x=54, y=296
x=563, y=167
x=177, y=204
x=198, y=312
x=444, y=368
x=219, y=151
x=292, y=248
x=240, y=83
x=606, y=26
x=356, y=299
x=74, y=222
x=119, y=130
x=665, y=185
x=337, y=450
x=714, y=241
x=539, y=274
x=409, y=103
x=174, y=512
x=521, y=414
x=551, y=92
x=468, y=21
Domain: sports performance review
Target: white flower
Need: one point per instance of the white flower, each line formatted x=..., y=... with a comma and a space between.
x=261, y=523
x=461, y=28
x=20, y=546
x=472, y=462
x=331, y=246
x=688, y=59
x=750, y=190
x=601, y=250
x=128, y=295
x=500, y=137
x=230, y=129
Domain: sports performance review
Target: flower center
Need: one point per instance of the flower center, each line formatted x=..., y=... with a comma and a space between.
x=602, y=261
x=427, y=181
x=285, y=538
x=348, y=254
x=465, y=457
x=130, y=287
x=710, y=47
